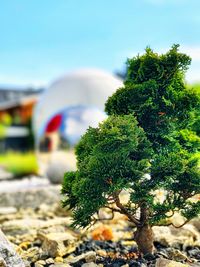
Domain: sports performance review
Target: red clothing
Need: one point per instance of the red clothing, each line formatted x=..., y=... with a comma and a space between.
x=54, y=124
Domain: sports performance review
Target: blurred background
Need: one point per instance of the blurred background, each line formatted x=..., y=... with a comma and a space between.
x=61, y=60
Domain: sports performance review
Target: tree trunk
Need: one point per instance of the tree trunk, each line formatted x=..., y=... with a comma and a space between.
x=144, y=239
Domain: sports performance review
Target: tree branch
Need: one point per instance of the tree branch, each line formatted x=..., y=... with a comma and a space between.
x=113, y=209
x=167, y=216
x=125, y=211
x=94, y=220
x=175, y=226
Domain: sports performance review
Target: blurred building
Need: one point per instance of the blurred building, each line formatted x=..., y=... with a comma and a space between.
x=16, y=110
x=61, y=113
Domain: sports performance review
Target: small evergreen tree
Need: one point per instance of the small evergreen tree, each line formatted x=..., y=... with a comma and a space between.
x=150, y=130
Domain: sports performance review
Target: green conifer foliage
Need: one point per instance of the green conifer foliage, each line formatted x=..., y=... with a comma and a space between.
x=156, y=94
x=148, y=143
x=110, y=158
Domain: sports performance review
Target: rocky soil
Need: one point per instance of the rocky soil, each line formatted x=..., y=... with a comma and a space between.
x=39, y=232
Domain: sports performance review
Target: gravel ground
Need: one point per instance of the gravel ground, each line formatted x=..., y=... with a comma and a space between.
x=39, y=229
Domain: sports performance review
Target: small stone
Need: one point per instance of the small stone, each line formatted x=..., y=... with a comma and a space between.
x=7, y=210
x=101, y=252
x=57, y=168
x=27, y=264
x=187, y=234
x=31, y=255
x=58, y=259
x=196, y=223
x=176, y=255
x=129, y=243
x=58, y=244
x=40, y=262
x=33, y=192
x=49, y=261
x=2, y=263
x=162, y=235
x=168, y=263
x=89, y=264
x=149, y=257
x=31, y=225
x=60, y=265
x=90, y=256
x=24, y=245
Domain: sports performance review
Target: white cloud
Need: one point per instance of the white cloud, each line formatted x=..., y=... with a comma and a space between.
x=192, y=51
x=193, y=74
x=9, y=80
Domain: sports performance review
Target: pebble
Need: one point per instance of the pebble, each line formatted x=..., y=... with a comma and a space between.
x=2, y=262
x=43, y=238
x=60, y=265
x=175, y=254
x=89, y=256
x=101, y=253
x=49, y=261
x=7, y=210
x=169, y=263
x=129, y=243
x=59, y=259
x=41, y=262
x=58, y=244
x=90, y=264
x=31, y=255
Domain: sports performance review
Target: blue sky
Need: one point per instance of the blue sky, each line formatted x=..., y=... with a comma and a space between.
x=43, y=39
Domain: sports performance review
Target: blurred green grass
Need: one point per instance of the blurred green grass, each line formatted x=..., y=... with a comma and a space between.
x=19, y=164
x=196, y=87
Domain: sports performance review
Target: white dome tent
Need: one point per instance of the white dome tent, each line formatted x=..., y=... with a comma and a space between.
x=88, y=88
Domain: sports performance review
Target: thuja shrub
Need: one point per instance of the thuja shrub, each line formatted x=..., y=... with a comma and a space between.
x=148, y=143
